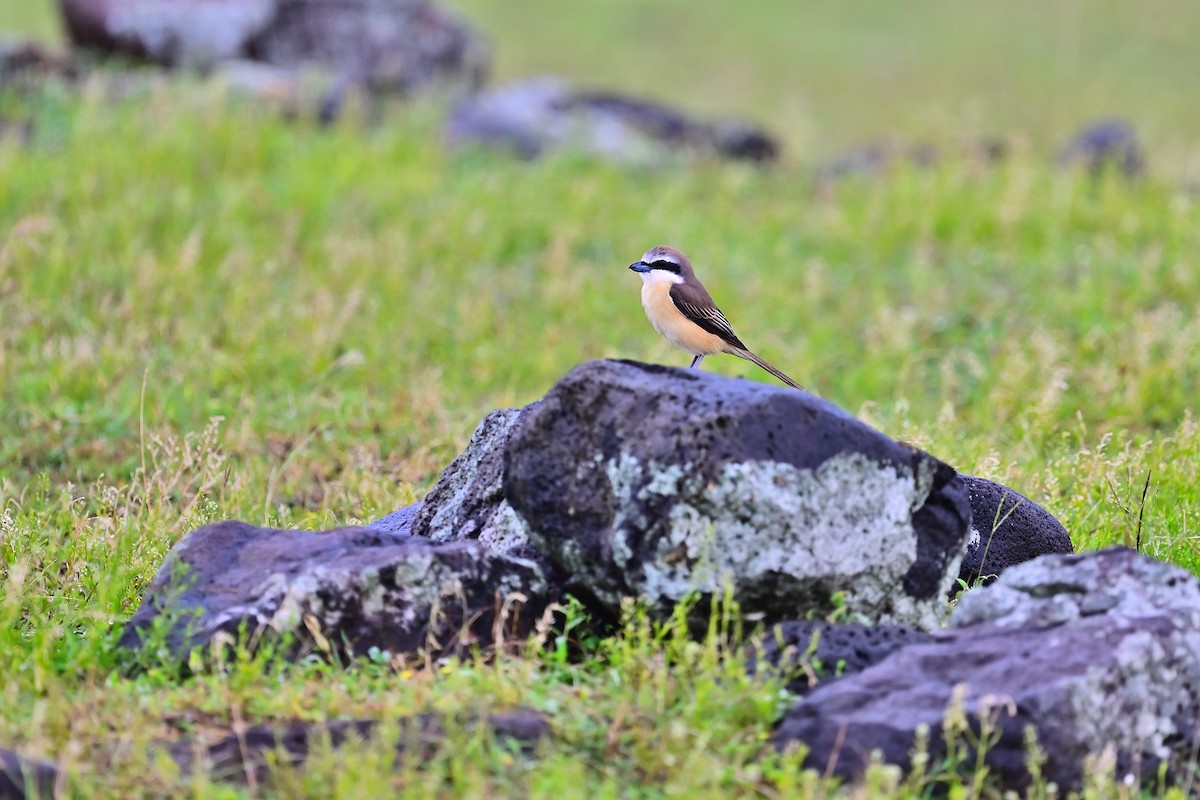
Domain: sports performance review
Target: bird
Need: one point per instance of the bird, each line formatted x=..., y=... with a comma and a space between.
x=681, y=309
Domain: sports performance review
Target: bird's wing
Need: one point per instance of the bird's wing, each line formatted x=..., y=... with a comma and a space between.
x=696, y=305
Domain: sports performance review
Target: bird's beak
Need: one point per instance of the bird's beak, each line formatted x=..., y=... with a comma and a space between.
x=640, y=266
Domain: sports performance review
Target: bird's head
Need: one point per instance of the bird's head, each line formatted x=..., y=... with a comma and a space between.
x=662, y=264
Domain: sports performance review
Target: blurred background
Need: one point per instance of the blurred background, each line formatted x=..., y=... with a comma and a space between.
x=825, y=75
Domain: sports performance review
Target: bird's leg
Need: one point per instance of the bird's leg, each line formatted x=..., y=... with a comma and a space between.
x=696, y=362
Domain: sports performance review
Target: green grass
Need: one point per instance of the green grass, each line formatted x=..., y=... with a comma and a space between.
x=208, y=313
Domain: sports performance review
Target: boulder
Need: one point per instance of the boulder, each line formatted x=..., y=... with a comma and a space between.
x=393, y=47
x=1098, y=653
x=170, y=32
x=1007, y=528
x=347, y=590
x=1106, y=144
x=386, y=46
x=815, y=652
x=247, y=755
x=542, y=115
x=658, y=482
x=27, y=778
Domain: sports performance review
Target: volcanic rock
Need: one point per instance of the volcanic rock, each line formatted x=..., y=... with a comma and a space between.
x=347, y=590
x=1097, y=653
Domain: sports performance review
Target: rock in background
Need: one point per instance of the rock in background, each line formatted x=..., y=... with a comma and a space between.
x=1103, y=145
x=314, y=53
x=168, y=32
x=538, y=116
x=385, y=46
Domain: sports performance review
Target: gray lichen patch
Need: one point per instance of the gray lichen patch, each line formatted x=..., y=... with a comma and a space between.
x=1134, y=701
x=468, y=500
x=771, y=529
x=926, y=473
x=1055, y=589
x=506, y=531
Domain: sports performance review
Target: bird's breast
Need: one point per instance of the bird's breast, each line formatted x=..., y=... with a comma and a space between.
x=672, y=324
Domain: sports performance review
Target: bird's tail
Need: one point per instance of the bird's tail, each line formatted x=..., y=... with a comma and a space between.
x=746, y=354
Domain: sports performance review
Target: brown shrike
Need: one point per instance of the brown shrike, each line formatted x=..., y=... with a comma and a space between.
x=680, y=308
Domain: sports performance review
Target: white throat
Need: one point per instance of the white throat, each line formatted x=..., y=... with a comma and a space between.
x=660, y=276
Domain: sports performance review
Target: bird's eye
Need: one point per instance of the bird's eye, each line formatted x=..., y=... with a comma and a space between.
x=669, y=266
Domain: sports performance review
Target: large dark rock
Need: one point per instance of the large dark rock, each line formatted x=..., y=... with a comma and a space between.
x=1007, y=528
x=386, y=46
x=1107, y=144
x=167, y=31
x=657, y=482
x=27, y=778
x=1094, y=652
x=247, y=755
x=815, y=652
x=389, y=46
x=350, y=589
x=543, y=115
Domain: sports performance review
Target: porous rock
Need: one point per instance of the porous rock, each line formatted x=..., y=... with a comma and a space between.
x=1109, y=663
x=1007, y=528
x=815, y=652
x=542, y=115
x=247, y=755
x=657, y=482
x=352, y=588
x=24, y=778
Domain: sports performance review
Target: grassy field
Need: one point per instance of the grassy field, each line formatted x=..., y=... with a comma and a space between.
x=208, y=313
x=827, y=75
